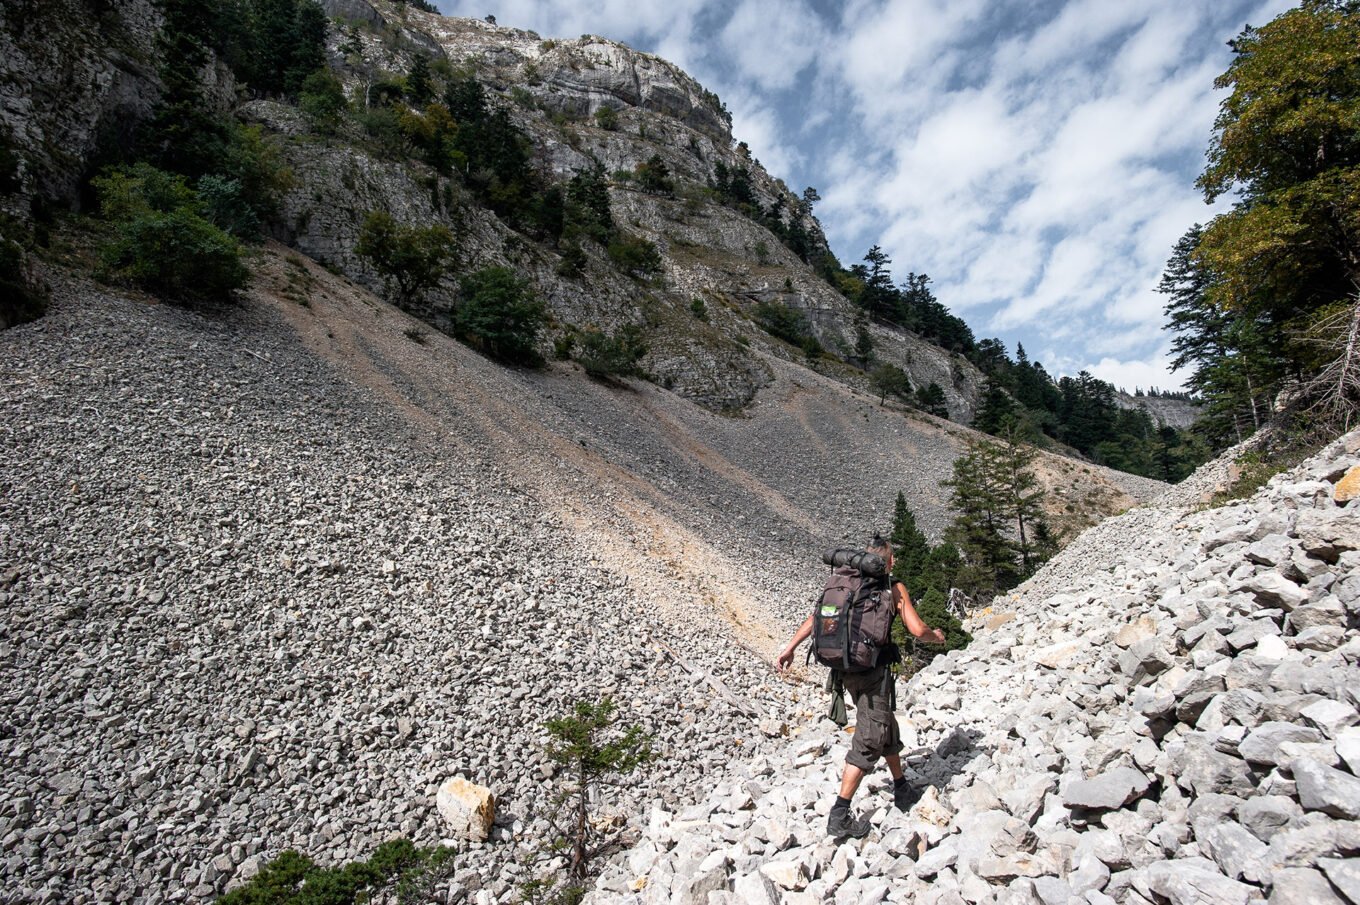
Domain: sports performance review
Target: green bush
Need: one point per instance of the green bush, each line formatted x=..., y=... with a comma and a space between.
x=179, y=255
x=323, y=98
x=698, y=308
x=635, y=256
x=498, y=314
x=574, y=260
x=654, y=176
x=224, y=205
x=383, y=126
x=607, y=118
x=161, y=240
x=784, y=322
x=565, y=345
x=617, y=355
x=410, y=259
x=397, y=867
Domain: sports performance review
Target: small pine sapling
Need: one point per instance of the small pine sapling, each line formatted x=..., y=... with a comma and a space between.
x=593, y=753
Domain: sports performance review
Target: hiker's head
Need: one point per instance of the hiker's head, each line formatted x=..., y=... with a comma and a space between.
x=879, y=546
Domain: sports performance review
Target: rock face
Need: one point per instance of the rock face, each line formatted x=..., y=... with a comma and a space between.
x=75, y=84
x=1149, y=728
x=1177, y=413
x=576, y=77
x=71, y=81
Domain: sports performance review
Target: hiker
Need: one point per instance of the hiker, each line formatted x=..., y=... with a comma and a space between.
x=874, y=693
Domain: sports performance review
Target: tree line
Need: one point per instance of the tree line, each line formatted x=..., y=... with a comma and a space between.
x=1079, y=412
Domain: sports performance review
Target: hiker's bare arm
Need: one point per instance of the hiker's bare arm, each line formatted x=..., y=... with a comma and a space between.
x=911, y=620
x=786, y=655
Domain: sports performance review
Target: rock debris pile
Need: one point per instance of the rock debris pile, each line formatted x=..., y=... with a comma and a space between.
x=1168, y=714
x=244, y=608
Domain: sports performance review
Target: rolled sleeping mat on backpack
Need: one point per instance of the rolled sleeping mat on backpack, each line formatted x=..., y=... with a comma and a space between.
x=870, y=564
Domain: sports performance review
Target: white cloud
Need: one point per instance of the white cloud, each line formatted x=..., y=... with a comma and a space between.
x=897, y=49
x=760, y=128
x=1130, y=374
x=770, y=41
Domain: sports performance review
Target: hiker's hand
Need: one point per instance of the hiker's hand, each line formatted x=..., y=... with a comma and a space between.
x=936, y=636
x=784, y=660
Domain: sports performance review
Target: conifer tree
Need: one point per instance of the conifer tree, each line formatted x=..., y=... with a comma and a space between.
x=930, y=398
x=996, y=410
x=890, y=380
x=419, y=88
x=594, y=753
x=1022, y=499
x=911, y=550
x=979, y=528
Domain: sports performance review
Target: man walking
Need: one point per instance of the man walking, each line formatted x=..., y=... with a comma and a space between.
x=874, y=694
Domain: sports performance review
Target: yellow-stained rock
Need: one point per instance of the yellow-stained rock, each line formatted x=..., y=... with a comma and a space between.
x=1348, y=488
x=998, y=620
x=1131, y=634
x=467, y=808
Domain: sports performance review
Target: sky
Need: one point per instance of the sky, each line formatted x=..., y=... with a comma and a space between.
x=1036, y=159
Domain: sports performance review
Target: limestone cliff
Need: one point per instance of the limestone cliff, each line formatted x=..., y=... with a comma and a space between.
x=553, y=89
x=1165, y=412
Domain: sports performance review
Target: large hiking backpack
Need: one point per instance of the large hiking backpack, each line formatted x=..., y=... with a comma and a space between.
x=853, y=617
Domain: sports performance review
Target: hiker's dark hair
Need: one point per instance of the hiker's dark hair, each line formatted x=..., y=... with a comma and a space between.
x=879, y=546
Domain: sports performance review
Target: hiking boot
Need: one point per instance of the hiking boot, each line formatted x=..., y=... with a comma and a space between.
x=839, y=825
x=905, y=797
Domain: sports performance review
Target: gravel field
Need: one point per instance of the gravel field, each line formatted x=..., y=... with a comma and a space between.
x=271, y=574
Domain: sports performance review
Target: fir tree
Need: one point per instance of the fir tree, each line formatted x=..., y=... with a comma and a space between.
x=911, y=550
x=977, y=497
x=1022, y=500
x=594, y=753
x=419, y=89
x=996, y=410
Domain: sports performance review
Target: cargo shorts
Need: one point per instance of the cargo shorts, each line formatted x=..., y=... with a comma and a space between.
x=876, y=732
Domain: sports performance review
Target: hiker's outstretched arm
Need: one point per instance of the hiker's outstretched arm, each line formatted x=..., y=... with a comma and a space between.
x=786, y=655
x=911, y=620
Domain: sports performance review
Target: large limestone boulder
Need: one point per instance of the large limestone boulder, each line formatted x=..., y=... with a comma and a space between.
x=467, y=808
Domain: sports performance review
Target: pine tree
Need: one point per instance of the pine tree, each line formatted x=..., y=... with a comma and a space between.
x=1022, y=499
x=890, y=380
x=931, y=399
x=933, y=608
x=419, y=88
x=593, y=752
x=1231, y=364
x=879, y=297
x=588, y=210
x=911, y=550
x=996, y=410
x=981, y=518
